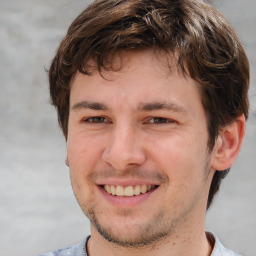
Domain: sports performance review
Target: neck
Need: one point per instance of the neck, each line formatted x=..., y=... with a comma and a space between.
x=194, y=242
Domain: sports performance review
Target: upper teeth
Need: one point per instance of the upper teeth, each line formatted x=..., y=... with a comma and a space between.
x=128, y=190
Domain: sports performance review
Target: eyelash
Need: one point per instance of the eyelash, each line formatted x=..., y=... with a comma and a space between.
x=160, y=120
x=95, y=119
x=152, y=120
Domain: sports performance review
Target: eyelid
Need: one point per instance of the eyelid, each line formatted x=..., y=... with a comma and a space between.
x=157, y=120
x=167, y=120
x=90, y=119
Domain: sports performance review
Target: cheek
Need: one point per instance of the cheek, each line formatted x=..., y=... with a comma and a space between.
x=83, y=150
x=81, y=161
x=185, y=166
x=170, y=149
x=182, y=158
x=79, y=165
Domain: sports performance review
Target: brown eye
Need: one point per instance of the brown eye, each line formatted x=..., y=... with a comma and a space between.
x=96, y=119
x=160, y=120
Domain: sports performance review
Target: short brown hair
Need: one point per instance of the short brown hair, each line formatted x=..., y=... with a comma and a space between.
x=207, y=45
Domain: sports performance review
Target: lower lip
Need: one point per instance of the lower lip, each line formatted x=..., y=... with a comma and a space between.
x=126, y=200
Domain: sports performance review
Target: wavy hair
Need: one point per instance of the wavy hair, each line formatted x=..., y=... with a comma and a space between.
x=208, y=50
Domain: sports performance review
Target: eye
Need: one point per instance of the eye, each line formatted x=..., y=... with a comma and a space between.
x=160, y=120
x=96, y=119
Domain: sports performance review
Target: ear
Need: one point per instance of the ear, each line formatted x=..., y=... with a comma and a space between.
x=228, y=144
x=67, y=161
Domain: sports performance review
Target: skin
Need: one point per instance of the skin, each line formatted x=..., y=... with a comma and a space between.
x=144, y=124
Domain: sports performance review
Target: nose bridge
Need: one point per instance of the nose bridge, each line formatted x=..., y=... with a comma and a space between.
x=124, y=148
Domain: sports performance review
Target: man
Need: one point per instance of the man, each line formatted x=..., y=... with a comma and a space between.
x=152, y=99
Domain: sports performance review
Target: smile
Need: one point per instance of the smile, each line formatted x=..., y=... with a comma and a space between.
x=128, y=191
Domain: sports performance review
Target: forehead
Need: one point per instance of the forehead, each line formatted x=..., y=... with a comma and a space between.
x=152, y=74
x=125, y=60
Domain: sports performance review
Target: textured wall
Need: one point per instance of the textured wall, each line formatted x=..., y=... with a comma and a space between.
x=38, y=211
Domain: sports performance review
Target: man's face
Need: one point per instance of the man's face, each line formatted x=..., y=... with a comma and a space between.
x=139, y=132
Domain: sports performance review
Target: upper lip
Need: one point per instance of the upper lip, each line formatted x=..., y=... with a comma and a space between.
x=125, y=182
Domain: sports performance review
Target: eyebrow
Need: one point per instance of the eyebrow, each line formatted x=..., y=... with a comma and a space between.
x=143, y=107
x=89, y=105
x=161, y=106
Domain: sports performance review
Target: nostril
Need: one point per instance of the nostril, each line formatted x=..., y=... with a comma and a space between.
x=123, y=161
x=122, y=150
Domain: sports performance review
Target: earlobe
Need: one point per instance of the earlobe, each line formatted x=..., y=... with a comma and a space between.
x=228, y=144
x=66, y=161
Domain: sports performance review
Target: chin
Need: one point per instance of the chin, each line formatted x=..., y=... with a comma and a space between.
x=131, y=232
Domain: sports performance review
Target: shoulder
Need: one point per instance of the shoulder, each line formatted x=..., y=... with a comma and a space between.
x=75, y=250
x=219, y=249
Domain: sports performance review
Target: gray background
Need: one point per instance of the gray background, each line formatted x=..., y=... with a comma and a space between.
x=38, y=211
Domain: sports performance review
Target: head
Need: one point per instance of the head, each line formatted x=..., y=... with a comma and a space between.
x=205, y=46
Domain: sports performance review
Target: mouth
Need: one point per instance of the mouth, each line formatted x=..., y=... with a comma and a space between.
x=128, y=191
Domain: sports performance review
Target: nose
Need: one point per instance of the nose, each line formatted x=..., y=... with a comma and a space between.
x=124, y=149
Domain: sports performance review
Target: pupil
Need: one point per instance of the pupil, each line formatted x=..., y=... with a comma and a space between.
x=160, y=120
